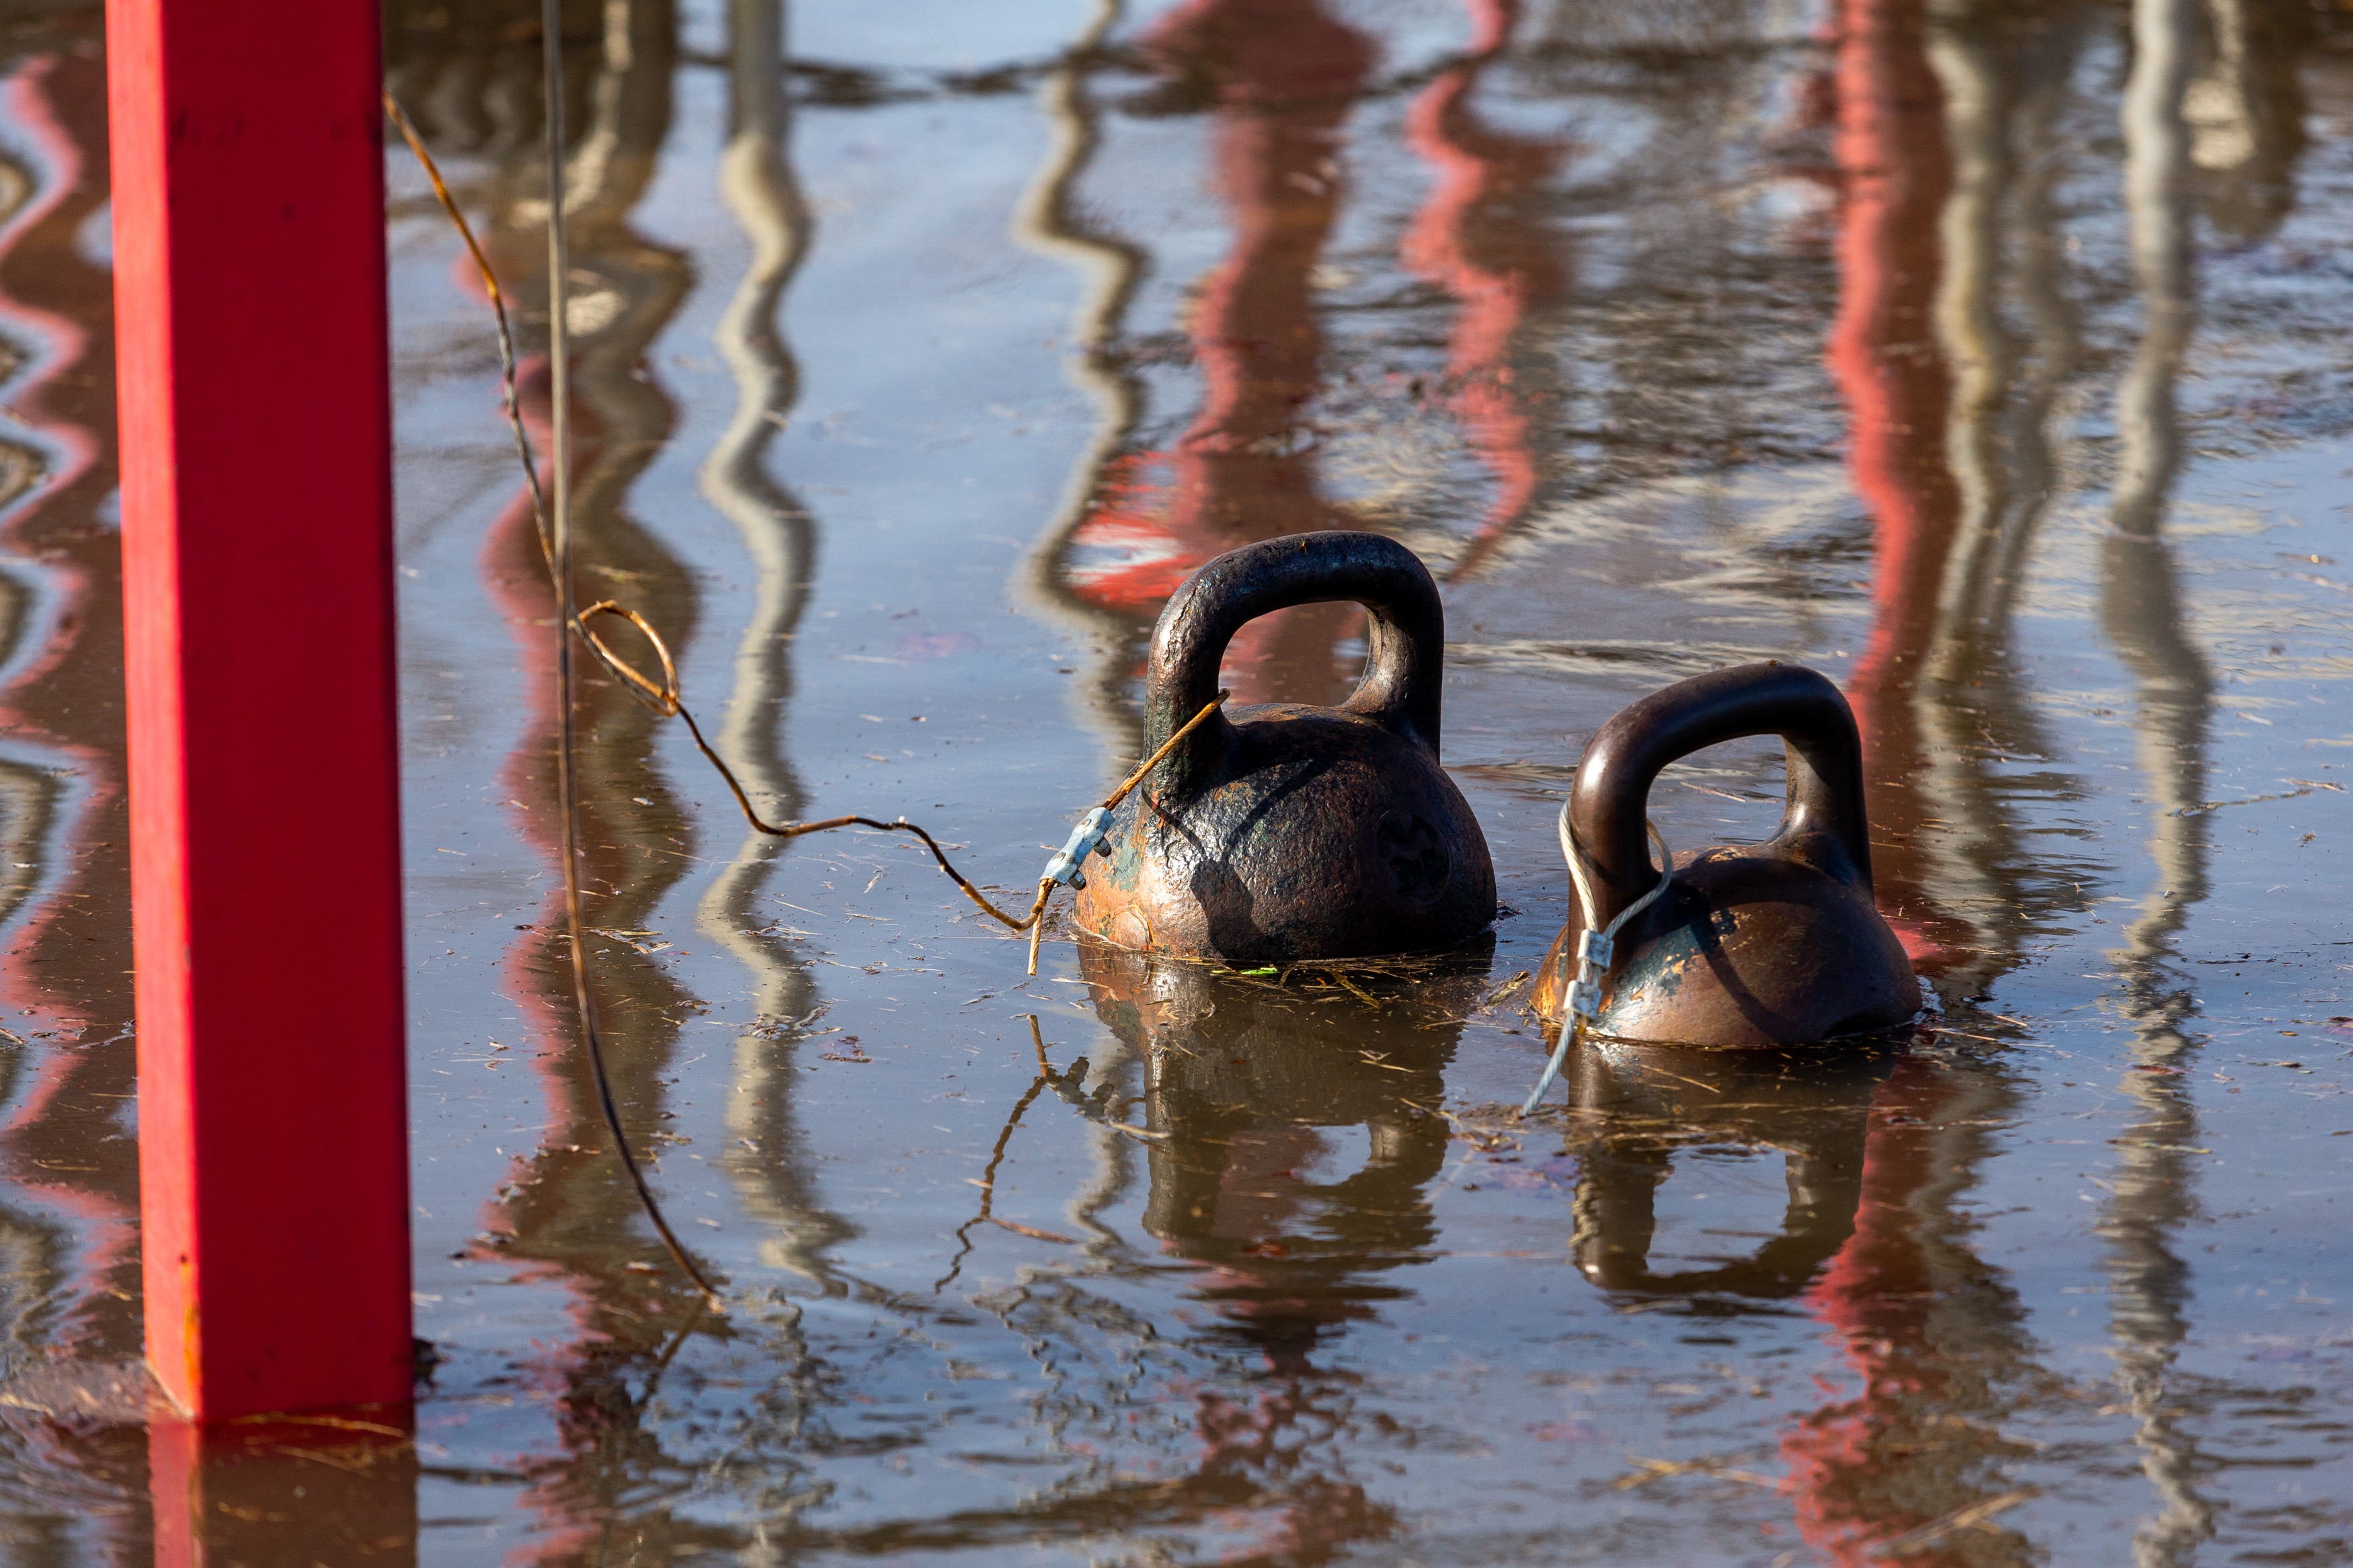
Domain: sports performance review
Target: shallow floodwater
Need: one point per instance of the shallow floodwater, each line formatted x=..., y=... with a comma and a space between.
x=1991, y=358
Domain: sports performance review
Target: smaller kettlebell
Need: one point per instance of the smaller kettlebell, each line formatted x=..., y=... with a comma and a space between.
x=1776, y=943
x=1284, y=831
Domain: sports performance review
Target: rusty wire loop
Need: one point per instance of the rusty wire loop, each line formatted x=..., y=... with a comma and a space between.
x=666, y=696
x=662, y=699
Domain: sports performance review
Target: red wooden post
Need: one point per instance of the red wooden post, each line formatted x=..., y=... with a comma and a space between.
x=256, y=556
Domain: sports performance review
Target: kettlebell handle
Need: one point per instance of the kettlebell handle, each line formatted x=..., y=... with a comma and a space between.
x=1824, y=820
x=1405, y=639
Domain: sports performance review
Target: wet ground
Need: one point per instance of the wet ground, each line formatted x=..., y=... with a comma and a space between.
x=1989, y=358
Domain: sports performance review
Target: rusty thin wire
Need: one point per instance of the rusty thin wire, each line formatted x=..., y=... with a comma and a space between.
x=665, y=696
x=498, y=308
x=551, y=521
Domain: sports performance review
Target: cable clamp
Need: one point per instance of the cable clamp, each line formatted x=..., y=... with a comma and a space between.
x=1092, y=835
x=1585, y=998
x=1594, y=948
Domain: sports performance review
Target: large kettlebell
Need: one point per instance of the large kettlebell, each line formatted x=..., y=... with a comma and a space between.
x=1284, y=831
x=1776, y=943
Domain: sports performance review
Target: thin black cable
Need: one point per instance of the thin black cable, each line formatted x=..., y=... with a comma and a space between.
x=567, y=794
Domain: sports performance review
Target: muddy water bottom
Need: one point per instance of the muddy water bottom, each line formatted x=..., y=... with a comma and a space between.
x=913, y=375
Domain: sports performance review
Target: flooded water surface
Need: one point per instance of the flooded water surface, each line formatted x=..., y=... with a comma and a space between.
x=1990, y=357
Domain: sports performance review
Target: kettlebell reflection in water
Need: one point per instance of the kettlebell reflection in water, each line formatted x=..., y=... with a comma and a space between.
x=1284, y=831
x=1755, y=945
x=1641, y=1103
x=1254, y=1091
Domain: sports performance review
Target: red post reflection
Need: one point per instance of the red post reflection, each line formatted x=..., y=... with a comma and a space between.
x=1895, y=173
x=1846, y=1473
x=562, y=1217
x=1497, y=270
x=1281, y=75
x=285, y=1489
x=1852, y=1496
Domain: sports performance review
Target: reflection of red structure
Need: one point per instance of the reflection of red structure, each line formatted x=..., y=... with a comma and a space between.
x=1854, y=1492
x=562, y=1217
x=1496, y=270
x=1282, y=73
x=543, y=1217
x=1894, y=175
x=1269, y=1449
x=1851, y=1491
x=516, y=574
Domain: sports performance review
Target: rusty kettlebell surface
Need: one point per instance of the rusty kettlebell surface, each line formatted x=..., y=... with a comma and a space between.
x=1776, y=944
x=1284, y=831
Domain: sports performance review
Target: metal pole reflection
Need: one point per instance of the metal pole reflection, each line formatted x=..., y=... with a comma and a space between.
x=766, y=1154
x=63, y=831
x=1278, y=78
x=2142, y=611
x=1920, y=129
x=2004, y=84
x=1050, y=219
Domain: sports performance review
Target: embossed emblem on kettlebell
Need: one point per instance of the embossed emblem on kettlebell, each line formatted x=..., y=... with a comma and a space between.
x=1417, y=859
